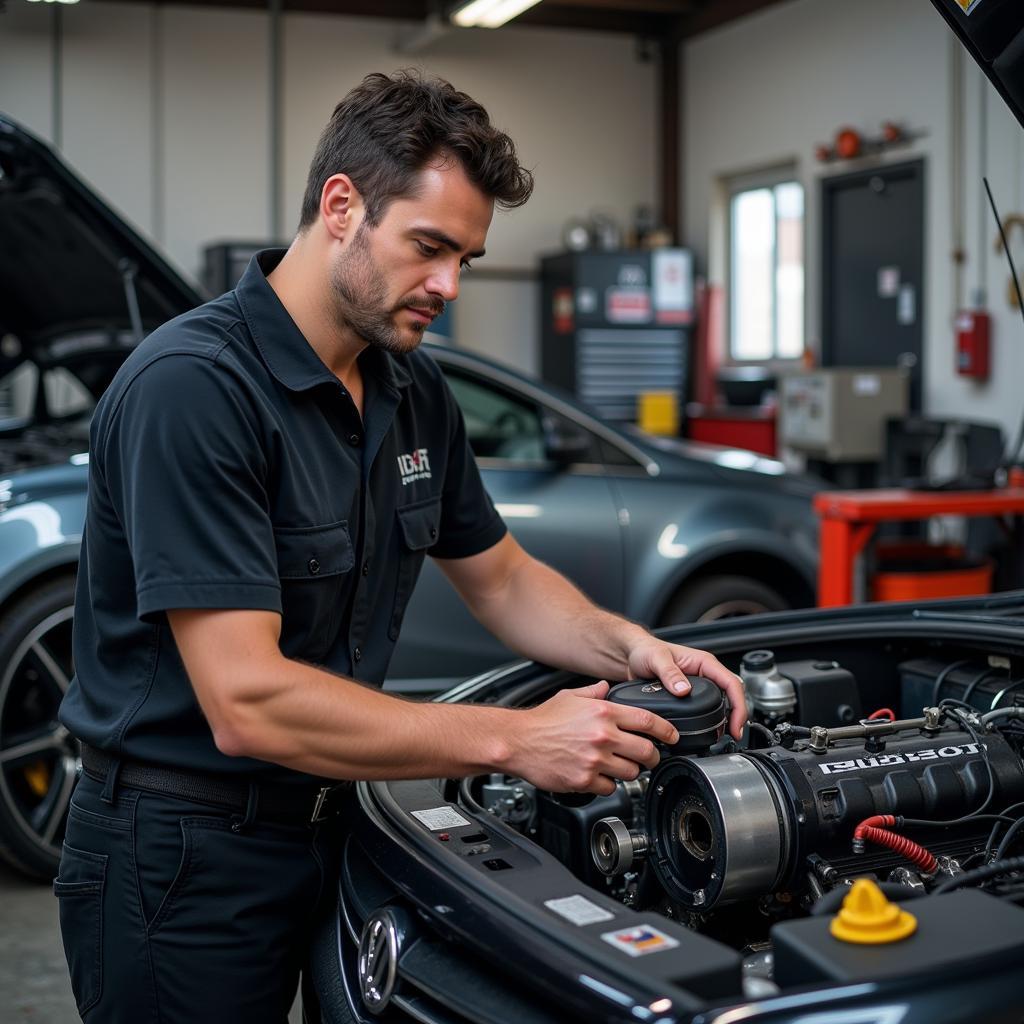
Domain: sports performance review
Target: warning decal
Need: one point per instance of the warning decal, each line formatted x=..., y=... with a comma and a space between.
x=579, y=910
x=967, y=6
x=436, y=818
x=640, y=941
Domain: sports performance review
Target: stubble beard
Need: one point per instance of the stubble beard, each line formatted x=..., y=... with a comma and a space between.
x=360, y=291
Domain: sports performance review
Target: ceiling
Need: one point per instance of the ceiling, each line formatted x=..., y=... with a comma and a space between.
x=658, y=19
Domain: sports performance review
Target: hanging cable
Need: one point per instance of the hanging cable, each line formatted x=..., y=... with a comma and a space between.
x=943, y=675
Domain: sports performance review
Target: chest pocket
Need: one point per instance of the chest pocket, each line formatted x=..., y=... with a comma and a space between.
x=418, y=526
x=314, y=564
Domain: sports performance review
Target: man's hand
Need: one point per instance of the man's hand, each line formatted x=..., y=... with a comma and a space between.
x=577, y=742
x=651, y=658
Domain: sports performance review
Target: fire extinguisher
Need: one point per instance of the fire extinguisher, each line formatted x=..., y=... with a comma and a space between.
x=973, y=332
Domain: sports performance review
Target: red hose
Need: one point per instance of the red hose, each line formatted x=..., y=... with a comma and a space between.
x=870, y=831
x=883, y=713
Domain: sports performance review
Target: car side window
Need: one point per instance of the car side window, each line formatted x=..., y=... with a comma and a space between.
x=499, y=425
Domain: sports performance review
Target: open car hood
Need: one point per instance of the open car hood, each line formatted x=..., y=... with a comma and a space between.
x=993, y=32
x=71, y=270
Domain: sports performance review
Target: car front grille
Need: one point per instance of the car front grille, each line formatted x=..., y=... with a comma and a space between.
x=441, y=980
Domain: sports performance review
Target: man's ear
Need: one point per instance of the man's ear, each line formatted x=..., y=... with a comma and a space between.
x=341, y=207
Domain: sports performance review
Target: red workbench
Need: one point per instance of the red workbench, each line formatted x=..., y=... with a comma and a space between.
x=849, y=518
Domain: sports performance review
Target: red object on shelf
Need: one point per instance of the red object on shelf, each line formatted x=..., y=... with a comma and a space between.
x=848, y=144
x=752, y=429
x=849, y=518
x=891, y=132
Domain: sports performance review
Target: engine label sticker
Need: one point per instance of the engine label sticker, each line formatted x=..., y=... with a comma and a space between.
x=437, y=818
x=888, y=760
x=579, y=910
x=640, y=941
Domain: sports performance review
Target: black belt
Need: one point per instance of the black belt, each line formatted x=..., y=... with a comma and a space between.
x=301, y=804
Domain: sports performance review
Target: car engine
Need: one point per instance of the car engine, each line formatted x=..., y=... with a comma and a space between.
x=732, y=838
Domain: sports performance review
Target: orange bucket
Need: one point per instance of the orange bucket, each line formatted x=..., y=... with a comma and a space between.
x=916, y=571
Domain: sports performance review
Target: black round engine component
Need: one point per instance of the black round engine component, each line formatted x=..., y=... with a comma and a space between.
x=759, y=661
x=700, y=717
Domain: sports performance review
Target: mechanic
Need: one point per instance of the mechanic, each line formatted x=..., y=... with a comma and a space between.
x=267, y=473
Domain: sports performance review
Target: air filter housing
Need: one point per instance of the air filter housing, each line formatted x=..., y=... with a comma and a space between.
x=700, y=717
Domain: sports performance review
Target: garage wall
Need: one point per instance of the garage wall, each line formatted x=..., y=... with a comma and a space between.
x=766, y=89
x=165, y=111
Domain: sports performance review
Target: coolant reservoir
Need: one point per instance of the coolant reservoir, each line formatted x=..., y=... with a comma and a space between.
x=769, y=692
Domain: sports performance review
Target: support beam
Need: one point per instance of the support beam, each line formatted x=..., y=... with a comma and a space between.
x=668, y=127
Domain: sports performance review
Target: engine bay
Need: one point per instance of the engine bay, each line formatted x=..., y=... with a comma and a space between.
x=901, y=765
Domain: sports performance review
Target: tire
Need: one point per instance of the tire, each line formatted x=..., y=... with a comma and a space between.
x=721, y=597
x=324, y=998
x=39, y=759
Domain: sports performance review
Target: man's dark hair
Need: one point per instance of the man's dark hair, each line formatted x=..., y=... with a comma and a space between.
x=389, y=128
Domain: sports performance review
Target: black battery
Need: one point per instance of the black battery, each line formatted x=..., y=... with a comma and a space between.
x=948, y=926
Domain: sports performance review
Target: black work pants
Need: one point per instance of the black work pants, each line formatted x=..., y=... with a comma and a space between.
x=169, y=915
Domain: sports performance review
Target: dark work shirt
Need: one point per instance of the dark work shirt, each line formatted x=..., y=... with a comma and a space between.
x=229, y=468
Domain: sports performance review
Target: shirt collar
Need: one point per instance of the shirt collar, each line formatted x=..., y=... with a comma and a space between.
x=289, y=357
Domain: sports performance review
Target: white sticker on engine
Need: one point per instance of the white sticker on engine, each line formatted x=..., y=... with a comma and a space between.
x=640, y=941
x=436, y=818
x=579, y=910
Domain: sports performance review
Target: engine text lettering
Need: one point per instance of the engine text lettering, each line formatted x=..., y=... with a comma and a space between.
x=888, y=760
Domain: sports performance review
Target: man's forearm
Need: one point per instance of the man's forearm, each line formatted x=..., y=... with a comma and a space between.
x=541, y=615
x=304, y=718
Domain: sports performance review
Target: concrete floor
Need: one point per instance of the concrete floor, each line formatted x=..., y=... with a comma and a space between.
x=34, y=986
x=34, y=982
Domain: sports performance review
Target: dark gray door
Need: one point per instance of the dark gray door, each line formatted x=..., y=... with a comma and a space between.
x=873, y=270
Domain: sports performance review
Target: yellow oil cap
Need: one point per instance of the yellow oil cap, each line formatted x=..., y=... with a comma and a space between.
x=868, y=917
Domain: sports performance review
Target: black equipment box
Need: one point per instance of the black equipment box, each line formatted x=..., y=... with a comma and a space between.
x=617, y=324
x=951, y=928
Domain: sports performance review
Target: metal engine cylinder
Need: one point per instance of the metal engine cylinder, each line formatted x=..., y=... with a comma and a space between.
x=738, y=826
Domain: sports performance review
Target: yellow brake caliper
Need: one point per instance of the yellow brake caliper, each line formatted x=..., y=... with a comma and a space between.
x=37, y=776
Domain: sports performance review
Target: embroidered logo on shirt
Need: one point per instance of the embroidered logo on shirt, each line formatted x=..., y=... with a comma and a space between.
x=415, y=466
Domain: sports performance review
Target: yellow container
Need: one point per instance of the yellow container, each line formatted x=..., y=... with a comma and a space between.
x=658, y=413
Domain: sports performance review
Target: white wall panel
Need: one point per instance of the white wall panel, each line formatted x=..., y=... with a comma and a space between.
x=106, y=103
x=214, y=95
x=26, y=66
x=500, y=319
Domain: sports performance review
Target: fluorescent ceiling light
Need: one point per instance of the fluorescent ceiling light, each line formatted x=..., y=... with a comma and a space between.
x=490, y=13
x=53, y=1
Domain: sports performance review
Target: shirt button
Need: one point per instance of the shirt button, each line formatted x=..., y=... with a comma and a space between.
x=366, y=568
x=314, y=567
x=357, y=654
x=433, y=534
x=355, y=440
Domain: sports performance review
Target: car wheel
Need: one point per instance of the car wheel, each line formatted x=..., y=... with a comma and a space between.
x=721, y=597
x=39, y=759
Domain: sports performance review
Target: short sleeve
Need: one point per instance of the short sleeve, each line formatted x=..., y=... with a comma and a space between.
x=182, y=459
x=469, y=521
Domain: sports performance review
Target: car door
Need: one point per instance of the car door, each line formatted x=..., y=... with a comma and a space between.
x=562, y=512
